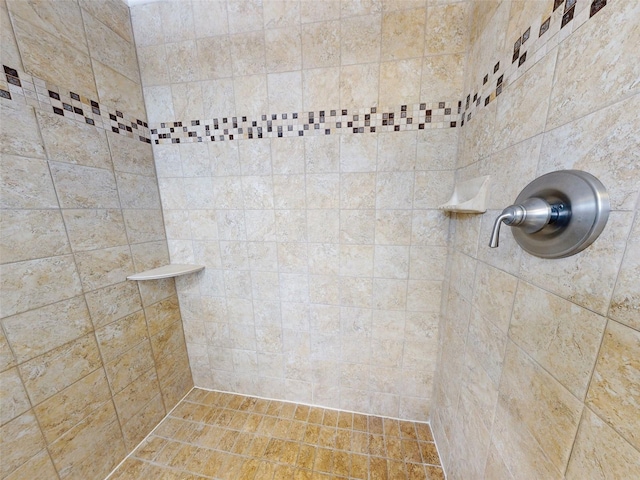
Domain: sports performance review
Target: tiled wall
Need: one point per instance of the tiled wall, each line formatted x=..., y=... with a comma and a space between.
x=89, y=361
x=538, y=368
x=302, y=148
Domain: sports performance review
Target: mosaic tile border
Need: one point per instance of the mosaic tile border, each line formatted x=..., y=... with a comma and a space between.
x=527, y=51
x=419, y=116
x=27, y=89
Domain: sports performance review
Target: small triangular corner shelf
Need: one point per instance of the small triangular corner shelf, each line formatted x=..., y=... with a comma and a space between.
x=469, y=196
x=167, y=271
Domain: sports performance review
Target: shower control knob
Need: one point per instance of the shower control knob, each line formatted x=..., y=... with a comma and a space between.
x=557, y=215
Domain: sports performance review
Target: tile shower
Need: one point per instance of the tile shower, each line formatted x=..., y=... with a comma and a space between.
x=299, y=150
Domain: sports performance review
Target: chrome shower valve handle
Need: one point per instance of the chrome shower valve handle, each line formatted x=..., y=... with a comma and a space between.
x=557, y=215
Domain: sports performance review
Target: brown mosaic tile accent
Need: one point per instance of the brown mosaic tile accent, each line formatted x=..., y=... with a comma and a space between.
x=554, y=29
x=215, y=435
x=419, y=116
x=27, y=89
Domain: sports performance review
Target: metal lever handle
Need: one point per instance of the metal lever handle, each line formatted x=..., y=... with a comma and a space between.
x=532, y=215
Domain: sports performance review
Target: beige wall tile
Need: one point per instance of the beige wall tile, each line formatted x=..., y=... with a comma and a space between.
x=130, y=401
x=113, y=14
x=37, y=331
x=14, y=400
x=494, y=293
x=600, y=452
x=624, y=303
x=403, y=34
x=73, y=454
x=137, y=428
x=57, y=369
x=72, y=66
x=20, y=440
x=320, y=89
x=285, y=91
x=152, y=61
x=113, y=302
x=30, y=234
x=575, y=84
x=361, y=38
x=321, y=44
x=72, y=142
x=359, y=85
x=119, y=336
x=19, y=133
x=64, y=410
x=447, y=28
x=101, y=268
x=146, y=21
x=7, y=359
x=137, y=191
x=27, y=285
x=400, y=82
x=248, y=53
x=129, y=366
x=38, y=467
x=612, y=393
x=84, y=187
x=283, y=49
x=561, y=336
x=94, y=229
x=442, y=77
x=26, y=183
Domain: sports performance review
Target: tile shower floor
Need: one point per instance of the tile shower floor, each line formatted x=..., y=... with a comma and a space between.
x=226, y=436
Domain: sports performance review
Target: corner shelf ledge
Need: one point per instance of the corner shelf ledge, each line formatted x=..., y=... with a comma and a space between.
x=469, y=197
x=167, y=271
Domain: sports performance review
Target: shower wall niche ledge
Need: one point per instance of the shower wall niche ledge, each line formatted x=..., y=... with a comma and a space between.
x=167, y=271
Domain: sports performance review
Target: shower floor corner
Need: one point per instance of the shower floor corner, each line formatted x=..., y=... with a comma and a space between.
x=216, y=435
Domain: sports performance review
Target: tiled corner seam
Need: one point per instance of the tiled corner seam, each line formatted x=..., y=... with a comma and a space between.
x=527, y=51
x=23, y=88
x=419, y=116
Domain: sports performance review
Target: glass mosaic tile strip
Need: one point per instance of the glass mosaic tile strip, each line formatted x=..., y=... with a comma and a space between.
x=23, y=88
x=551, y=31
x=419, y=116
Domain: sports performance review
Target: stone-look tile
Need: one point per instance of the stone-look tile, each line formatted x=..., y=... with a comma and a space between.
x=320, y=87
x=600, y=452
x=578, y=87
x=613, y=392
x=19, y=131
x=119, y=336
x=38, y=467
x=436, y=149
x=442, y=77
x=101, y=268
x=9, y=55
x=37, y=331
x=129, y=366
x=285, y=91
x=72, y=142
x=393, y=227
x=146, y=21
x=536, y=412
x=26, y=183
x=113, y=302
x=67, y=408
x=248, y=53
x=74, y=453
x=360, y=39
x=143, y=225
x=400, y=82
x=20, y=439
x=62, y=20
x=7, y=359
x=139, y=426
x=130, y=155
x=153, y=65
x=478, y=140
x=599, y=144
x=425, y=195
x=487, y=344
x=30, y=234
x=311, y=12
x=27, y=285
x=403, y=34
x=151, y=255
x=429, y=227
x=214, y=57
x=494, y=292
x=625, y=303
x=94, y=229
x=559, y=335
x=283, y=48
x=244, y=16
x=138, y=191
x=321, y=44
x=359, y=85
x=511, y=170
x=52, y=372
x=587, y=278
x=522, y=101
x=397, y=152
x=130, y=401
x=279, y=14
x=447, y=28
x=181, y=62
x=160, y=315
x=110, y=48
x=72, y=66
x=113, y=14
x=14, y=401
x=84, y=187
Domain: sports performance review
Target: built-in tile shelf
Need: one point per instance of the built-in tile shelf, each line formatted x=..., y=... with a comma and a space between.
x=469, y=197
x=167, y=271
